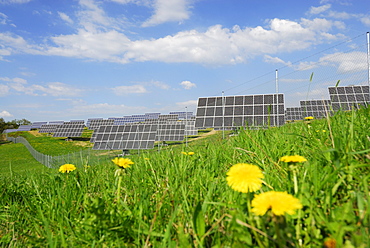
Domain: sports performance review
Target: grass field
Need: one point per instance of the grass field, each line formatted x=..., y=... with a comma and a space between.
x=174, y=198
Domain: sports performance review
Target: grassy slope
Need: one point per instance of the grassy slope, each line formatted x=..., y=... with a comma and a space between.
x=15, y=158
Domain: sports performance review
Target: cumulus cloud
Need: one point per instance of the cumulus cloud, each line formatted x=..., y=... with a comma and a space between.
x=5, y=113
x=168, y=11
x=188, y=85
x=215, y=46
x=132, y=89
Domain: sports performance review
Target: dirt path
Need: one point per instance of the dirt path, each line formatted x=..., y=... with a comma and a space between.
x=204, y=135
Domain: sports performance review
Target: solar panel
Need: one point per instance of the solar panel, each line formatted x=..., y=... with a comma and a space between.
x=48, y=128
x=171, y=132
x=96, y=123
x=127, y=137
x=89, y=121
x=56, y=122
x=236, y=111
x=171, y=117
x=38, y=124
x=69, y=130
x=190, y=128
x=75, y=122
x=348, y=97
x=10, y=130
x=152, y=115
x=293, y=114
x=24, y=128
x=315, y=108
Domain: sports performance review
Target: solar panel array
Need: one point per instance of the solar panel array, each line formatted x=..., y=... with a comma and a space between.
x=127, y=137
x=69, y=130
x=48, y=128
x=24, y=128
x=348, y=97
x=170, y=117
x=96, y=123
x=56, y=122
x=170, y=132
x=190, y=128
x=37, y=125
x=10, y=130
x=236, y=111
x=315, y=108
x=293, y=114
x=89, y=121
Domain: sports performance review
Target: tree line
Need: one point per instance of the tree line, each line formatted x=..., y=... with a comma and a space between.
x=14, y=124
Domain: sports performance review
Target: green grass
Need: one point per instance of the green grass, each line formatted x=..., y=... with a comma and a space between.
x=168, y=199
x=15, y=158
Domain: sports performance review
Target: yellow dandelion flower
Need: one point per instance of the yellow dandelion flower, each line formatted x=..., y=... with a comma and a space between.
x=324, y=131
x=185, y=153
x=123, y=162
x=244, y=177
x=293, y=159
x=67, y=168
x=190, y=153
x=280, y=203
x=309, y=118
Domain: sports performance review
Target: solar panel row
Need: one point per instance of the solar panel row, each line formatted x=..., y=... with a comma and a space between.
x=128, y=137
x=235, y=111
x=69, y=130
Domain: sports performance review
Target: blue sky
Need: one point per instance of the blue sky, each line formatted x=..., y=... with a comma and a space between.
x=80, y=59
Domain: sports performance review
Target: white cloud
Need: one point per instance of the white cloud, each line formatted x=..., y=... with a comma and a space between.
x=11, y=43
x=320, y=9
x=160, y=85
x=168, y=11
x=301, y=66
x=3, y=18
x=5, y=113
x=215, y=46
x=275, y=60
x=138, y=2
x=133, y=89
x=105, y=46
x=188, y=85
x=54, y=89
x=93, y=18
x=65, y=17
x=14, y=1
x=365, y=20
x=346, y=62
x=4, y=90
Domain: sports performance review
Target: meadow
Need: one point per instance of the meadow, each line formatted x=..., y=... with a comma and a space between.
x=180, y=196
